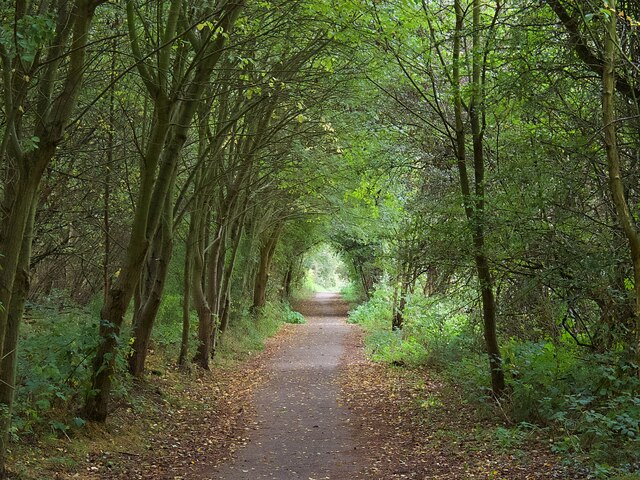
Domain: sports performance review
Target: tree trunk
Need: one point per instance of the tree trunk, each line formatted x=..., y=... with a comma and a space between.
x=400, y=299
x=200, y=303
x=106, y=199
x=398, y=312
x=20, y=191
x=144, y=318
x=286, y=282
x=476, y=113
x=215, y=270
x=114, y=309
x=186, y=302
x=474, y=207
x=9, y=360
x=262, y=276
x=228, y=274
x=431, y=282
x=249, y=266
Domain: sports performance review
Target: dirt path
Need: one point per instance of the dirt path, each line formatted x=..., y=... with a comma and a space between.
x=301, y=430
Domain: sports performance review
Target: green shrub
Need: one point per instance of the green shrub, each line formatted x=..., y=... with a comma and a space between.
x=54, y=368
x=352, y=293
x=435, y=331
x=376, y=313
x=591, y=401
x=291, y=316
x=541, y=375
x=170, y=311
x=167, y=337
x=247, y=332
x=509, y=439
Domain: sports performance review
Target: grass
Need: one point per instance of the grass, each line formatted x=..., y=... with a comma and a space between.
x=246, y=334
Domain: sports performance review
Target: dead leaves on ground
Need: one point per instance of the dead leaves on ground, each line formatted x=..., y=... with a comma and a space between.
x=179, y=426
x=418, y=427
x=195, y=430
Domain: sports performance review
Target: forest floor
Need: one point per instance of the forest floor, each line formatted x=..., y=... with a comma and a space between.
x=310, y=407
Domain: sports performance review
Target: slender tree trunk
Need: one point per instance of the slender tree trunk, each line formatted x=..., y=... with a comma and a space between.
x=122, y=290
x=366, y=287
x=220, y=267
x=262, y=276
x=249, y=245
x=186, y=303
x=431, y=282
x=484, y=273
x=106, y=206
x=106, y=259
x=144, y=319
x=144, y=283
x=9, y=360
x=14, y=230
x=16, y=235
x=228, y=274
x=400, y=301
x=286, y=282
x=200, y=303
x=474, y=207
x=215, y=269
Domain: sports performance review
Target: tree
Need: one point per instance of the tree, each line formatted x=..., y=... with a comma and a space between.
x=175, y=99
x=469, y=108
x=51, y=54
x=602, y=55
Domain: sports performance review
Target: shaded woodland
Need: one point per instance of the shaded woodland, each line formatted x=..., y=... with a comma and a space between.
x=170, y=171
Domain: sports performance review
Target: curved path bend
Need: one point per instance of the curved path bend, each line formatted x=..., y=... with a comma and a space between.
x=301, y=430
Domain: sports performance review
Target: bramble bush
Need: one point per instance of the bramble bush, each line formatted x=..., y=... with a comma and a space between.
x=591, y=400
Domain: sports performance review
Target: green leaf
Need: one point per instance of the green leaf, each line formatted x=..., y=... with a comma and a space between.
x=79, y=422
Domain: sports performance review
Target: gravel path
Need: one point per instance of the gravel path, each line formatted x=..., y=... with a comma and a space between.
x=301, y=430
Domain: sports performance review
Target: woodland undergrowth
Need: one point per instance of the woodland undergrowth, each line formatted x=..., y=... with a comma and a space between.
x=587, y=404
x=48, y=432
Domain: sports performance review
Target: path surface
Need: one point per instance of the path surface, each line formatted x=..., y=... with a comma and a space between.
x=301, y=430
